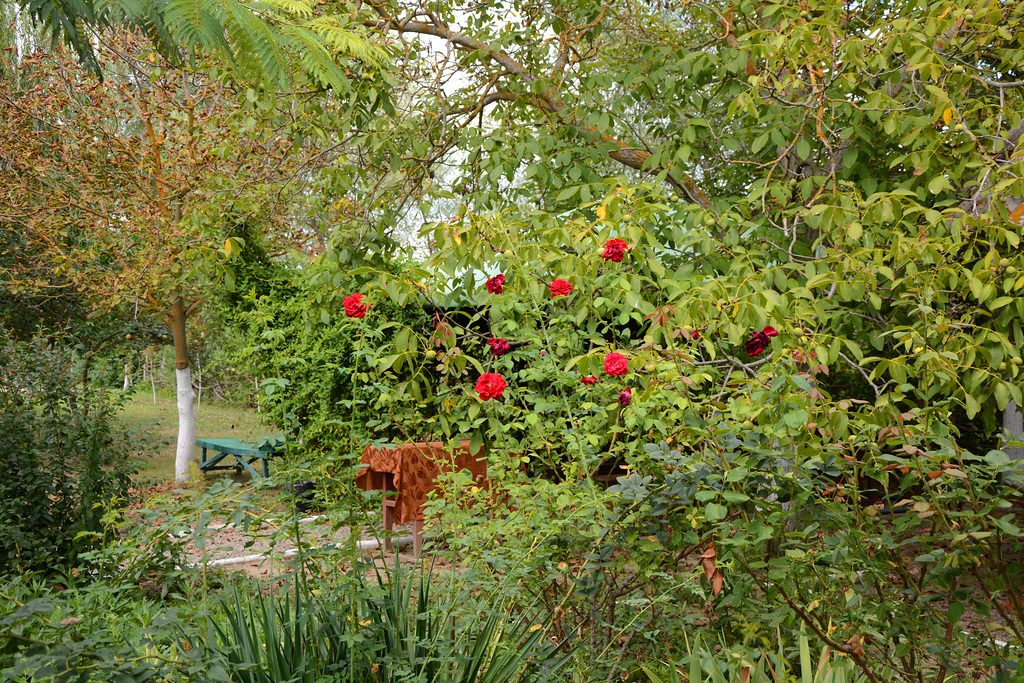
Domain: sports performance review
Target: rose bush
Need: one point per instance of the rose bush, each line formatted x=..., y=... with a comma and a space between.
x=759, y=444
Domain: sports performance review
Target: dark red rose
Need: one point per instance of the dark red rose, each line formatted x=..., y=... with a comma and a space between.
x=695, y=335
x=757, y=343
x=496, y=283
x=354, y=306
x=589, y=380
x=490, y=385
x=560, y=288
x=616, y=364
x=625, y=397
x=614, y=250
x=499, y=347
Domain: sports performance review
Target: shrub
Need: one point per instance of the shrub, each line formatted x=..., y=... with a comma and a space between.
x=91, y=632
x=62, y=458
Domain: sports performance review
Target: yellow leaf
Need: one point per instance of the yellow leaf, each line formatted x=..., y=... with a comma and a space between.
x=600, y=213
x=947, y=116
x=228, y=246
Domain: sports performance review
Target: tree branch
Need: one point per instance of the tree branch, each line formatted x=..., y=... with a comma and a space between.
x=546, y=101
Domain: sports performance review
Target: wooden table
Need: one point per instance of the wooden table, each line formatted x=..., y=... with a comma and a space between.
x=236, y=451
x=407, y=474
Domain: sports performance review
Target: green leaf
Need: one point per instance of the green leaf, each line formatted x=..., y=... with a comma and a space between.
x=971, y=405
x=714, y=512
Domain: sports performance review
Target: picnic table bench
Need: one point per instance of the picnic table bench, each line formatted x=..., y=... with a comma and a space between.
x=237, y=451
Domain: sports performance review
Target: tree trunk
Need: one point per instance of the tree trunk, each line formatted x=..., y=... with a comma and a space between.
x=184, y=451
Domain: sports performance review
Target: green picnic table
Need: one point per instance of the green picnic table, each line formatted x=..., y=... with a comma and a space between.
x=236, y=451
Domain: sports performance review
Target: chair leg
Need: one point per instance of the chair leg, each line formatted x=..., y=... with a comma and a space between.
x=417, y=538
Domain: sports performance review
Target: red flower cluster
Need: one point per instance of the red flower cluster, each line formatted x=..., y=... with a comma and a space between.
x=614, y=250
x=495, y=284
x=499, y=347
x=560, y=288
x=759, y=341
x=490, y=385
x=354, y=306
x=588, y=380
x=616, y=364
x=625, y=397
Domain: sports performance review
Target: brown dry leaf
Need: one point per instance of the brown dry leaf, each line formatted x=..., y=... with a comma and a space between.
x=855, y=645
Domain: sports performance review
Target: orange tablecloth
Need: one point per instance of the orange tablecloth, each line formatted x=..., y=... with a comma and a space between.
x=414, y=467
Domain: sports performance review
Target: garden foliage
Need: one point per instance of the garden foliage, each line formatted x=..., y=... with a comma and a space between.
x=63, y=458
x=819, y=342
x=393, y=630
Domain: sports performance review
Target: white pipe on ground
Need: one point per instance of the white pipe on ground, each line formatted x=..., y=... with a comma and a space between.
x=369, y=544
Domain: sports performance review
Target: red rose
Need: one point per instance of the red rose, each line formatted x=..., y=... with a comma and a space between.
x=589, y=380
x=354, y=306
x=495, y=284
x=695, y=335
x=625, y=396
x=757, y=343
x=490, y=385
x=616, y=364
x=560, y=288
x=614, y=250
x=498, y=346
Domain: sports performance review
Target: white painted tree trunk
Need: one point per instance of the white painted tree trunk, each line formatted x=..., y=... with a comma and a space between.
x=186, y=425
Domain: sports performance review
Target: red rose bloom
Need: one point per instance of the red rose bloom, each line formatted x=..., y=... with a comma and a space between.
x=590, y=379
x=614, y=250
x=354, y=306
x=695, y=335
x=490, y=385
x=625, y=397
x=616, y=364
x=759, y=341
x=560, y=288
x=499, y=347
x=495, y=284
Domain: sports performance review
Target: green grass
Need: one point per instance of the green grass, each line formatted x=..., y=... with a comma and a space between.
x=213, y=420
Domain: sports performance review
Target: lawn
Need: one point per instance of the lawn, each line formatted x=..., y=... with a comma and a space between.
x=160, y=422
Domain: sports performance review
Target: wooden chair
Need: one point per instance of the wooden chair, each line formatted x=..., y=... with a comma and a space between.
x=386, y=483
